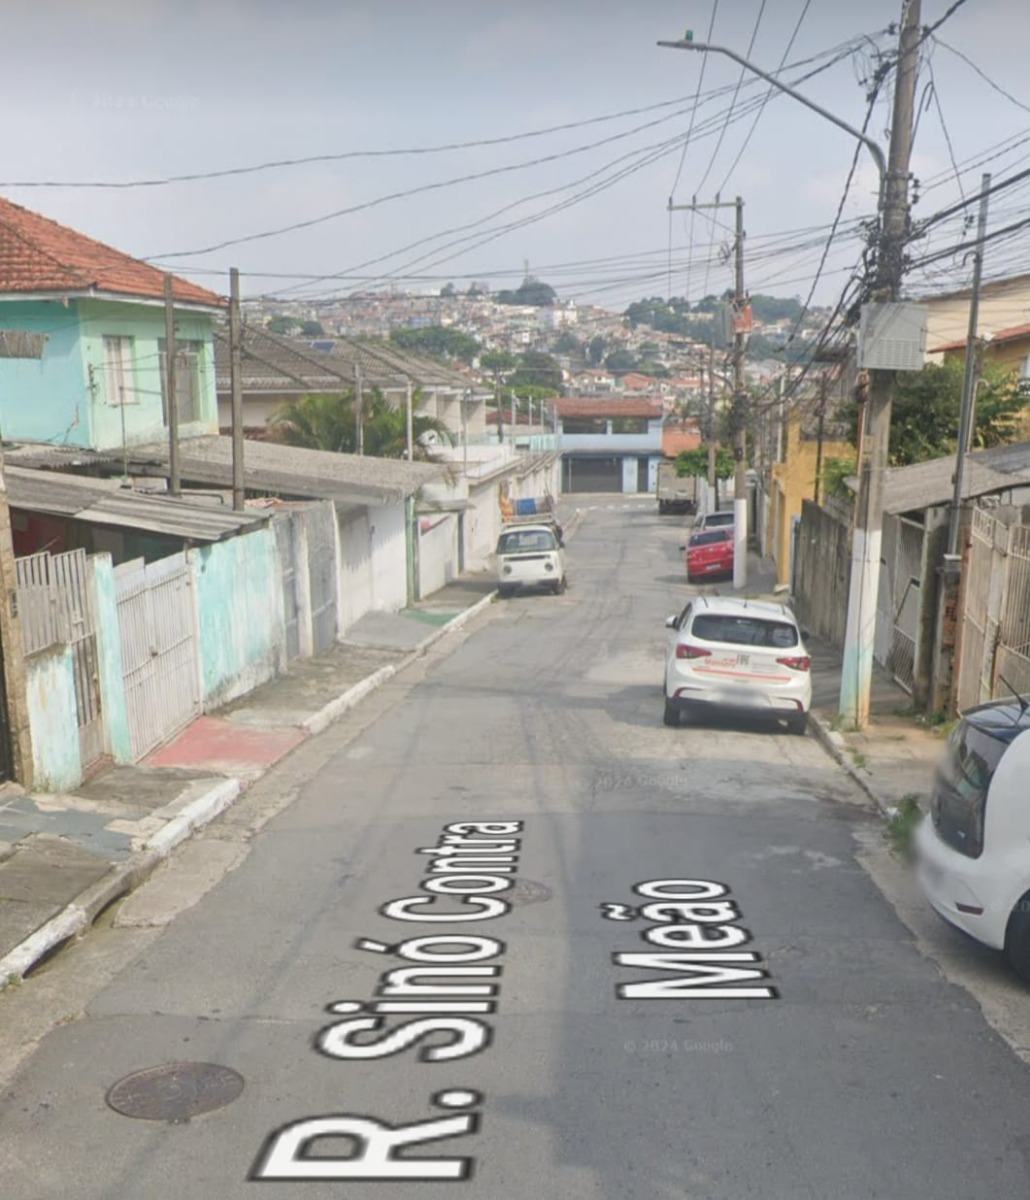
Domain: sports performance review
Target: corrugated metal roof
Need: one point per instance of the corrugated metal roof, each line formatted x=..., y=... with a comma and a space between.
x=930, y=484
x=106, y=502
x=293, y=471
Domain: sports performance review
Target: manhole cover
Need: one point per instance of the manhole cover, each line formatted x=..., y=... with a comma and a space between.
x=526, y=891
x=175, y=1091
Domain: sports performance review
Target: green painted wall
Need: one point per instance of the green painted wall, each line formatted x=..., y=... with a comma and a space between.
x=56, y=757
x=117, y=741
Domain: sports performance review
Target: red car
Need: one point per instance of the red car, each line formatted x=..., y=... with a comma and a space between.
x=710, y=553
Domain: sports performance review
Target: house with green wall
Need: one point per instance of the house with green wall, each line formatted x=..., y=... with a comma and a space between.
x=82, y=341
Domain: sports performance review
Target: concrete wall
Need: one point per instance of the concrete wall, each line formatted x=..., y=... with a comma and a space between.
x=355, y=569
x=389, y=556
x=47, y=397
x=117, y=740
x=437, y=551
x=240, y=610
x=1003, y=305
x=56, y=759
x=616, y=443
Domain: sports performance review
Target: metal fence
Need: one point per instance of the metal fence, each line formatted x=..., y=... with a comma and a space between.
x=822, y=572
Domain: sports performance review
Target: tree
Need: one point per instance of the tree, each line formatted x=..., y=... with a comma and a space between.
x=312, y=329
x=621, y=361
x=595, y=350
x=437, y=341
x=448, y=290
x=329, y=422
x=498, y=361
x=567, y=343
x=530, y=291
x=695, y=462
x=536, y=369
x=281, y=325
x=927, y=404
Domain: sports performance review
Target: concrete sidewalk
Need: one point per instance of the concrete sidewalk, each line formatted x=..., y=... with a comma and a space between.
x=64, y=858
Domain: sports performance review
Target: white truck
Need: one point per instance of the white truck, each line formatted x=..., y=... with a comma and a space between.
x=676, y=493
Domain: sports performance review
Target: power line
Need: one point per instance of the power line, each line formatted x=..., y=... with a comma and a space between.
x=700, y=81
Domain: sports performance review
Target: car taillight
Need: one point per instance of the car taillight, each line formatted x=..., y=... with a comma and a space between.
x=691, y=651
x=796, y=664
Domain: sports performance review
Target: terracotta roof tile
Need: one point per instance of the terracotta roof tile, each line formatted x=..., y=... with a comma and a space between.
x=604, y=406
x=39, y=255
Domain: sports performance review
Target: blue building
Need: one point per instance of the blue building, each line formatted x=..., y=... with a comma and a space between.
x=609, y=444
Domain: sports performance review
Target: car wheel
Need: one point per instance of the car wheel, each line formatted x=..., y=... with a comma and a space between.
x=1017, y=939
x=558, y=586
x=798, y=724
x=671, y=715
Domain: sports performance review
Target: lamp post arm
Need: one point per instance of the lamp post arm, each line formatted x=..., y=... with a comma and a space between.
x=873, y=147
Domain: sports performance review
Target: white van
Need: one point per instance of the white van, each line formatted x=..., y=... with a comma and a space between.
x=973, y=847
x=530, y=556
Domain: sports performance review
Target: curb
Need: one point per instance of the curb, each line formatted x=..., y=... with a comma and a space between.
x=836, y=745
x=77, y=917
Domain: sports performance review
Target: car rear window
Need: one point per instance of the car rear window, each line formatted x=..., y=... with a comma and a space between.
x=744, y=630
x=719, y=518
x=960, y=795
x=707, y=539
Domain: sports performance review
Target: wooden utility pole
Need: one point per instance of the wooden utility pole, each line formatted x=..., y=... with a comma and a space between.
x=236, y=377
x=359, y=415
x=409, y=420
x=857, y=666
x=174, y=485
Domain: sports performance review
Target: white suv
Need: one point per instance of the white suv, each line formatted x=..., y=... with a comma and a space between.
x=715, y=520
x=734, y=655
x=973, y=847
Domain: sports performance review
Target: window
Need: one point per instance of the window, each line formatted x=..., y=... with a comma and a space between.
x=188, y=392
x=119, y=377
x=960, y=795
x=629, y=425
x=585, y=425
x=526, y=541
x=744, y=631
x=710, y=539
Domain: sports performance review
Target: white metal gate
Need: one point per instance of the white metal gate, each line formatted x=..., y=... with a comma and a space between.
x=320, y=524
x=285, y=540
x=55, y=593
x=160, y=653
x=900, y=597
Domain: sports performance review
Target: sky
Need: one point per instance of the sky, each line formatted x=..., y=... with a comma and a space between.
x=122, y=91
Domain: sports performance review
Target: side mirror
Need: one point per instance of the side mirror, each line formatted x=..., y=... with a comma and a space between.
x=672, y=622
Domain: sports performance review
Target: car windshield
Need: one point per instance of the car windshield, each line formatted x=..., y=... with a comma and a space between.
x=707, y=539
x=744, y=630
x=523, y=541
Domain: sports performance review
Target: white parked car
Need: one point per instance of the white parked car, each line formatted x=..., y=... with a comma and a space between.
x=973, y=847
x=530, y=556
x=738, y=656
x=715, y=520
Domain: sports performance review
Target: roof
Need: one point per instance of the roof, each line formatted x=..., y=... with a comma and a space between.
x=930, y=484
x=1015, y=333
x=381, y=358
x=608, y=406
x=39, y=255
x=350, y=479
x=107, y=502
x=272, y=363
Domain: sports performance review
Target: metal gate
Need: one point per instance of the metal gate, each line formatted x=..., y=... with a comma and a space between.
x=900, y=596
x=55, y=593
x=285, y=540
x=320, y=524
x=160, y=652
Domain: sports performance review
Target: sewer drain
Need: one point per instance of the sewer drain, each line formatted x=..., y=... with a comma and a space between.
x=175, y=1091
x=526, y=891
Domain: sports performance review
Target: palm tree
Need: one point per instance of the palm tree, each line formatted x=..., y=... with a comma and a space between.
x=328, y=422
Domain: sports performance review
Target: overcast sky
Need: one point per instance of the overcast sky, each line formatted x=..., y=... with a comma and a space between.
x=120, y=90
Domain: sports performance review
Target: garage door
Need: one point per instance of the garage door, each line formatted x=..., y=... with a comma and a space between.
x=593, y=475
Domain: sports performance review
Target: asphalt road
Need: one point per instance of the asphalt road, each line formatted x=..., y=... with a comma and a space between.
x=813, y=1053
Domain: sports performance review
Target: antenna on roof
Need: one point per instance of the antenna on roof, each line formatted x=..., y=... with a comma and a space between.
x=1024, y=703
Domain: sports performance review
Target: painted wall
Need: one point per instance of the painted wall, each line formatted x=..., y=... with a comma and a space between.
x=437, y=551
x=48, y=397
x=240, y=609
x=145, y=324
x=56, y=759
x=355, y=591
x=1003, y=305
x=389, y=554
x=616, y=443
x=117, y=741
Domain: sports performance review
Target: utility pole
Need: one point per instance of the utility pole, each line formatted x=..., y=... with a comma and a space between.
x=359, y=416
x=713, y=480
x=820, y=430
x=969, y=379
x=174, y=486
x=740, y=416
x=857, y=669
x=409, y=422
x=236, y=378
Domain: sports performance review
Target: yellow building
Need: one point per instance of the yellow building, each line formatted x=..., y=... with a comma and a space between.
x=791, y=481
x=1008, y=349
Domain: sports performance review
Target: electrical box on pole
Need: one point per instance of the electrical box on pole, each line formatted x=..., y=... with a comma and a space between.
x=892, y=337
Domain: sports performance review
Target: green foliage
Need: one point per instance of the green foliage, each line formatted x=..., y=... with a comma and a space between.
x=531, y=291
x=329, y=422
x=437, y=341
x=619, y=362
x=595, y=350
x=927, y=404
x=312, y=329
x=536, y=369
x=695, y=462
x=281, y=325
x=775, y=308
x=835, y=471
x=498, y=361
x=567, y=343
x=448, y=290
x=901, y=826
